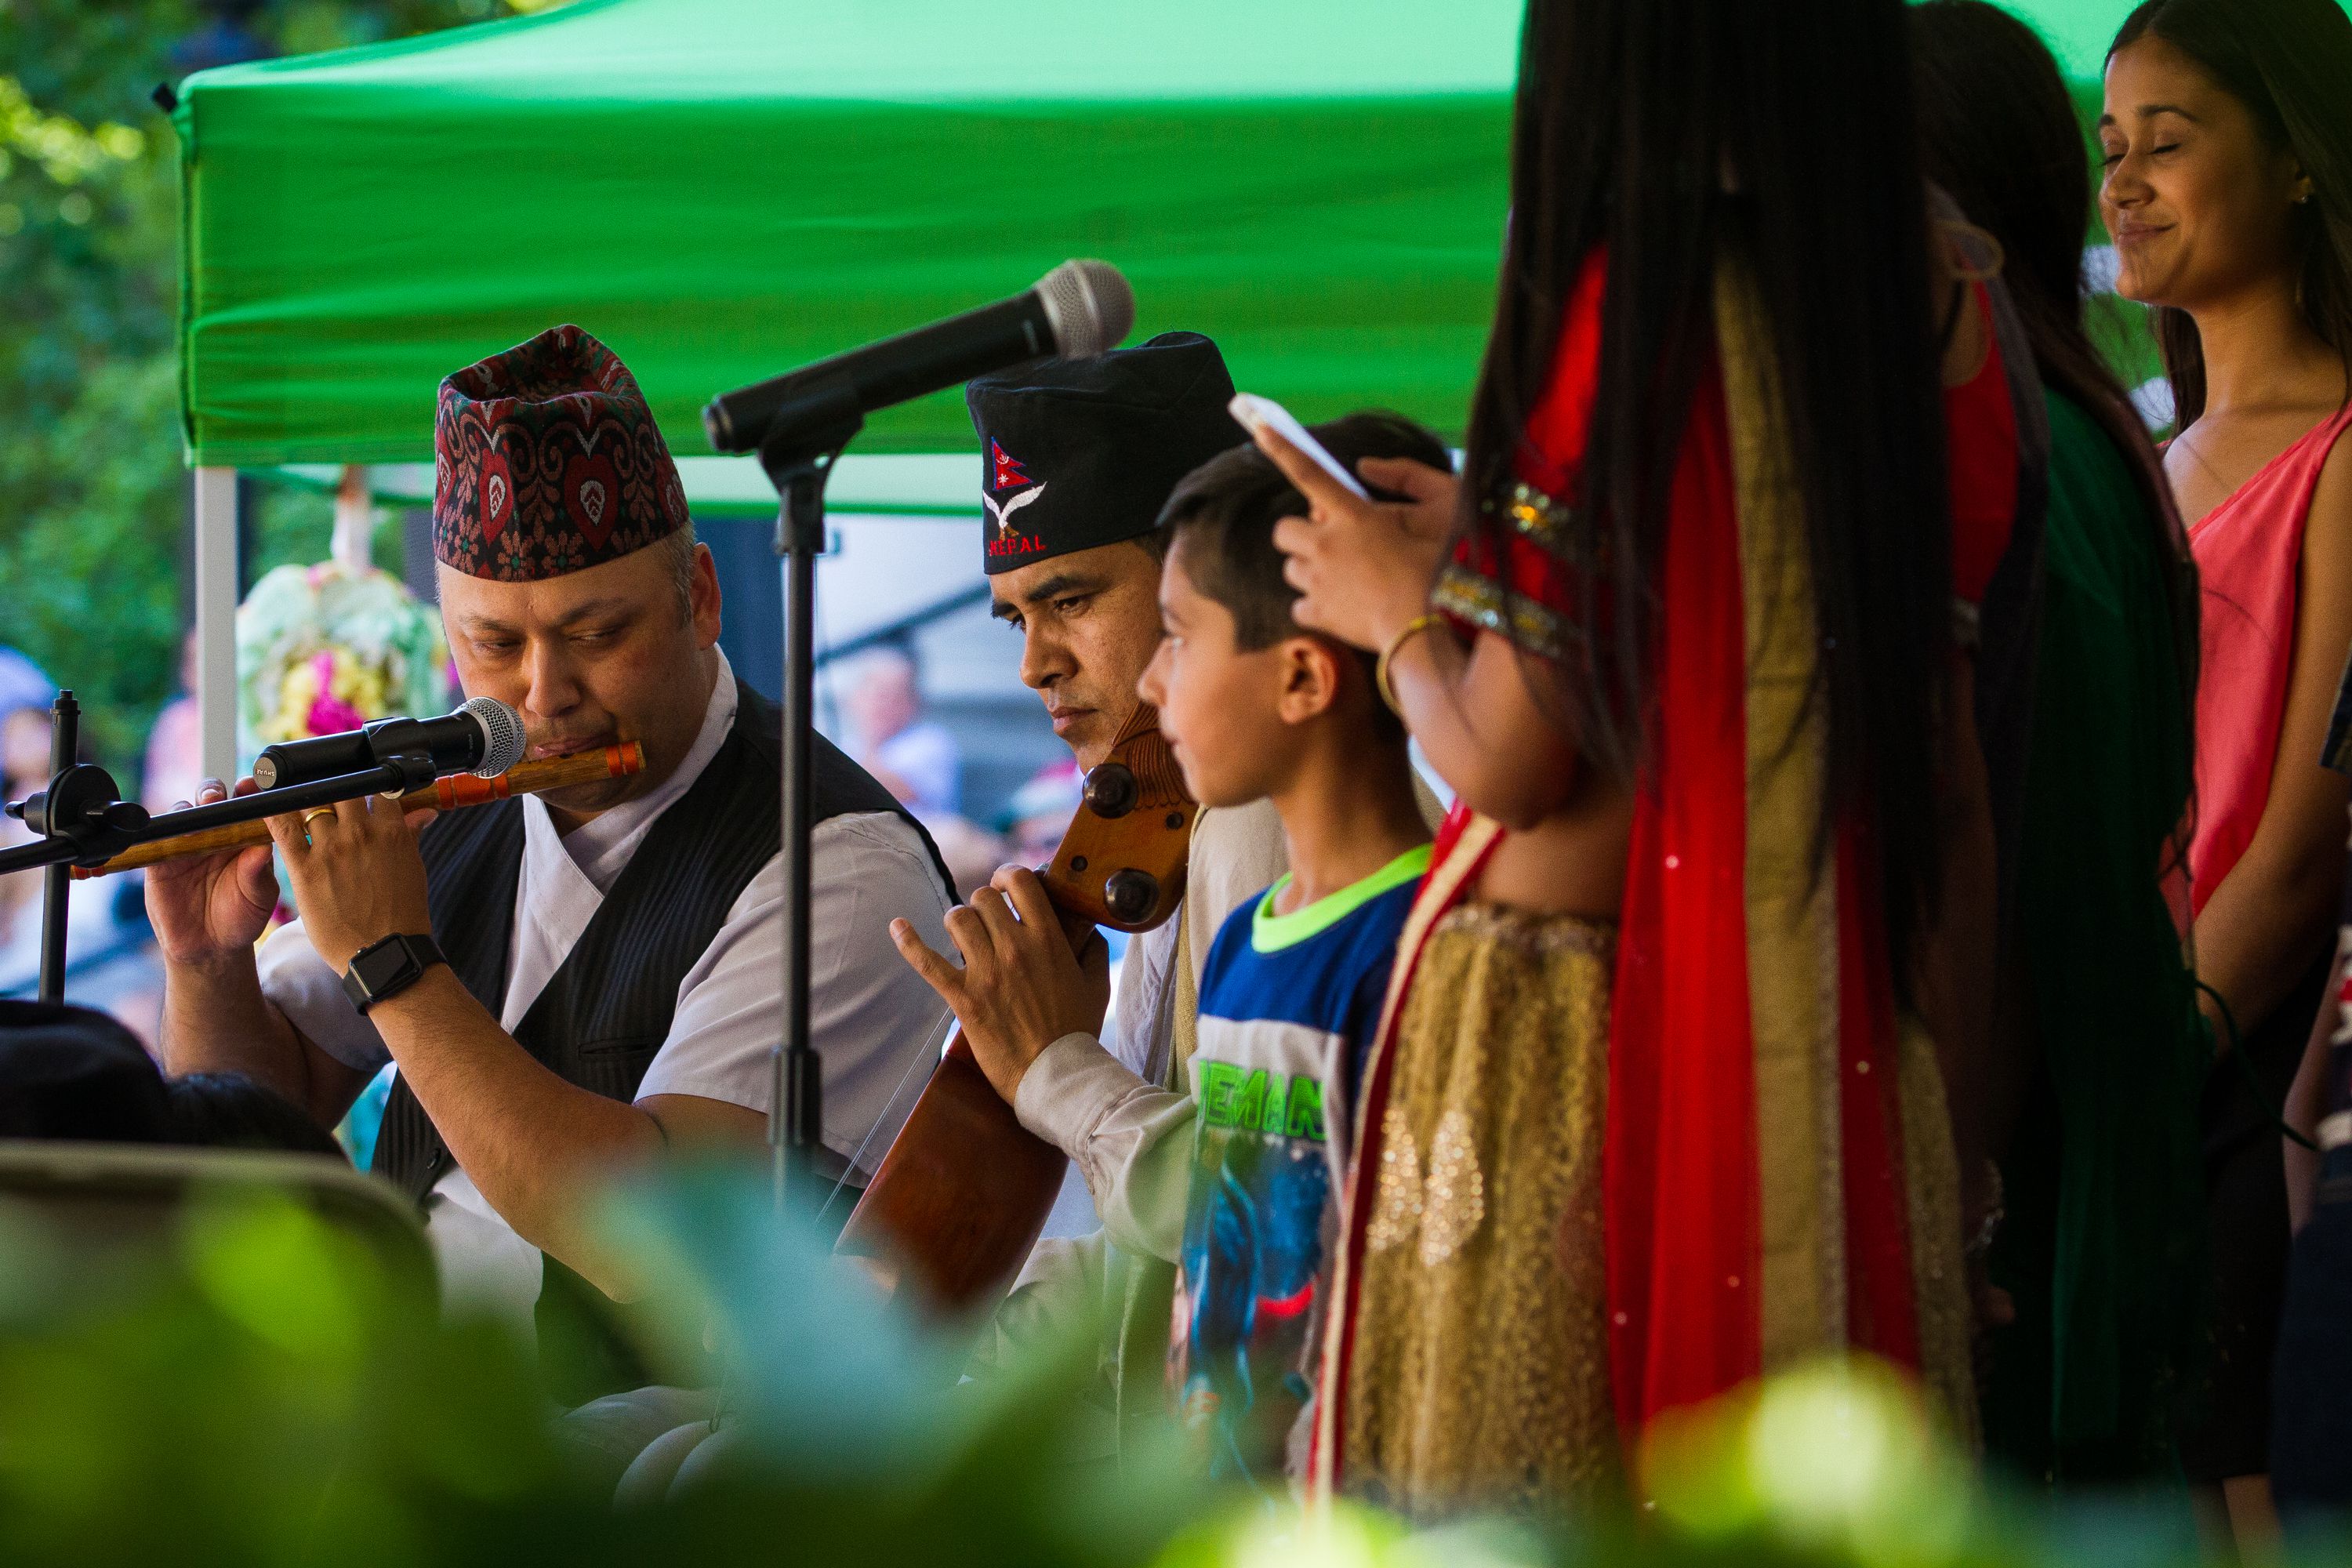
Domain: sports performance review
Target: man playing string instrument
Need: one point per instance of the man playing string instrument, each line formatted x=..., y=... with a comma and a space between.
x=611, y=950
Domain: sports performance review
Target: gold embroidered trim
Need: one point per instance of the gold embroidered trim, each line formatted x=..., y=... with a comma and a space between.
x=1514, y=617
x=1791, y=903
x=1549, y=522
x=1931, y=1172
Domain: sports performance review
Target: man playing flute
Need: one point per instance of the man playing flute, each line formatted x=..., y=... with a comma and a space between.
x=567, y=984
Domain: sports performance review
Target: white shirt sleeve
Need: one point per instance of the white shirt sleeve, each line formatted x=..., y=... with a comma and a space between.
x=875, y=1024
x=1127, y=1138
x=310, y=994
x=1128, y=1135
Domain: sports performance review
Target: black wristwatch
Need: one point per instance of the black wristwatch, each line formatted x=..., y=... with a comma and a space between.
x=387, y=968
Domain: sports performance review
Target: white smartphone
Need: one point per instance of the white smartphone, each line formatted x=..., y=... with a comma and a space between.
x=1255, y=412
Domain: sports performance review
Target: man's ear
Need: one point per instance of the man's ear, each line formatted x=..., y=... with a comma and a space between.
x=1311, y=679
x=705, y=596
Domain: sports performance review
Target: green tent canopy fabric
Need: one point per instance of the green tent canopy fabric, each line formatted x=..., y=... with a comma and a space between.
x=725, y=189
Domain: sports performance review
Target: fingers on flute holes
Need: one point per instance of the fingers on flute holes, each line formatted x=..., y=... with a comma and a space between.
x=288, y=833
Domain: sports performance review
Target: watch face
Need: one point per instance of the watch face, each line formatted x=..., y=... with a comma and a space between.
x=383, y=965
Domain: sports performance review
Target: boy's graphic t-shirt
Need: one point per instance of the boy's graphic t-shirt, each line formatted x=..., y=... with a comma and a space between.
x=1288, y=1006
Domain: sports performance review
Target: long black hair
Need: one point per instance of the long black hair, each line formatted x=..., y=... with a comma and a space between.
x=1669, y=132
x=1998, y=132
x=2290, y=63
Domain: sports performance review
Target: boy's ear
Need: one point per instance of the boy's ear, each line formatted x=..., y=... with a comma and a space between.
x=1312, y=678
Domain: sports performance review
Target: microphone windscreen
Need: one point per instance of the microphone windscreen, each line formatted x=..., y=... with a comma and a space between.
x=1089, y=306
x=501, y=735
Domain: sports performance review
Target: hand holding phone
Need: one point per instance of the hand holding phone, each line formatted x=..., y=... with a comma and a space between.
x=1256, y=413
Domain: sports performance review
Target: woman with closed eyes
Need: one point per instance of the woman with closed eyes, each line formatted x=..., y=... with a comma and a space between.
x=2228, y=191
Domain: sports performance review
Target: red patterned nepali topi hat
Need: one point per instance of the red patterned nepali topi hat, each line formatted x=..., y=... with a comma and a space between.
x=547, y=460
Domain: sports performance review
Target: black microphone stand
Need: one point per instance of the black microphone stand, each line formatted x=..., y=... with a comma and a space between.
x=83, y=821
x=57, y=885
x=798, y=454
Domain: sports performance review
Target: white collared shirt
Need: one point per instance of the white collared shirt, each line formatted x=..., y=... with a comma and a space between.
x=874, y=1021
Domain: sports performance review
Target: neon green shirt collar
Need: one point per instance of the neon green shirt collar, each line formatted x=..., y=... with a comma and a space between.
x=1271, y=932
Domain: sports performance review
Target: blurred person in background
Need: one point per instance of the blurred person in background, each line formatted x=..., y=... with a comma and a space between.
x=175, y=763
x=2099, y=1253
x=913, y=757
x=23, y=770
x=22, y=684
x=2228, y=195
x=1038, y=816
x=917, y=759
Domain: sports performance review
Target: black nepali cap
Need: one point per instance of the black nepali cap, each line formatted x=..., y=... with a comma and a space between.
x=70, y=1072
x=1075, y=453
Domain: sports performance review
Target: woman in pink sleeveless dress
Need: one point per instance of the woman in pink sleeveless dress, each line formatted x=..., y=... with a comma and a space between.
x=2229, y=192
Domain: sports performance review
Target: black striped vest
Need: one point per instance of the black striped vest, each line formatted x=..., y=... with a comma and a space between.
x=606, y=1009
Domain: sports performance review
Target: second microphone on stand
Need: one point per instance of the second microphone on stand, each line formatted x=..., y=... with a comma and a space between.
x=484, y=737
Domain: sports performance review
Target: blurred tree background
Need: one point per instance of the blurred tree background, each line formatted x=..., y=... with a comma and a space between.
x=93, y=492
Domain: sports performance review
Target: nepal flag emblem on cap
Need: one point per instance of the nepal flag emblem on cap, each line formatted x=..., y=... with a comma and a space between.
x=1006, y=474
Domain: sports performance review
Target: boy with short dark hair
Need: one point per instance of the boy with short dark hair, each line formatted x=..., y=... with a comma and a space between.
x=1253, y=706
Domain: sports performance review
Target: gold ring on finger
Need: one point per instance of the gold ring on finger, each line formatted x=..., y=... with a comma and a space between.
x=313, y=815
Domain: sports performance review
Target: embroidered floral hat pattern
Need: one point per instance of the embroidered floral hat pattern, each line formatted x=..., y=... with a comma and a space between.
x=547, y=460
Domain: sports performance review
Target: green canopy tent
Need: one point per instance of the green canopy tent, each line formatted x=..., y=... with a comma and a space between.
x=723, y=189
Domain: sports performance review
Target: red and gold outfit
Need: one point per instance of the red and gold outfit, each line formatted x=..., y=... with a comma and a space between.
x=1604, y=1173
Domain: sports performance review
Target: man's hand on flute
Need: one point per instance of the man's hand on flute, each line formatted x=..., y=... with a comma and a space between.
x=209, y=908
x=357, y=875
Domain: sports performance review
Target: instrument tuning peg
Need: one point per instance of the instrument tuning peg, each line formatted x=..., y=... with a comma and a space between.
x=1129, y=894
x=1110, y=790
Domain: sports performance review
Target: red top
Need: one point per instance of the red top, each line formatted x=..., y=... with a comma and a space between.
x=2248, y=550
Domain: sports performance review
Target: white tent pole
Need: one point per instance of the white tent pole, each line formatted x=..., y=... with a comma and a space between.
x=215, y=555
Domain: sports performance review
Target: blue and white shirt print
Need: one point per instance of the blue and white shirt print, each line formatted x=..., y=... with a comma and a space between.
x=1288, y=1007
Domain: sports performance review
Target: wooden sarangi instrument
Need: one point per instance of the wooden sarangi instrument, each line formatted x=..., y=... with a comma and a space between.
x=963, y=1192
x=451, y=794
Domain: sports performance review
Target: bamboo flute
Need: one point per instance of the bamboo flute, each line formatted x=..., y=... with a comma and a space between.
x=452, y=793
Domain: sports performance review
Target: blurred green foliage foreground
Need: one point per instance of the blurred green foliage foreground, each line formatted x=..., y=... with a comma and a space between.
x=262, y=1392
